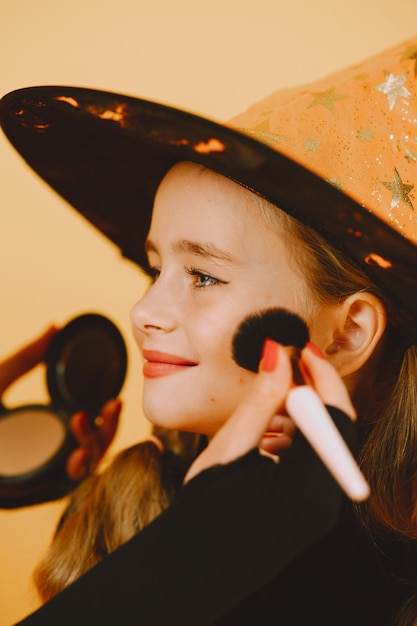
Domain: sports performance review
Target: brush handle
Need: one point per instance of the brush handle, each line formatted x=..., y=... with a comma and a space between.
x=311, y=417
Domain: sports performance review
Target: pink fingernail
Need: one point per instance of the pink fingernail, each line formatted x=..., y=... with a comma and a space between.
x=269, y=356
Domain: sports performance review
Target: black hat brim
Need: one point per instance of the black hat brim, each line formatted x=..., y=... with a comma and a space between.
x=106, y=153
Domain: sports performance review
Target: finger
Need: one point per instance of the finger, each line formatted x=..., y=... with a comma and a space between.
x=245, y=428
x=83, y=430
x=108, y=422
x=275, y=442
x=327, y=382
x=93, y=441
x=282, y=424
x=280, y=434
x=78, y=464
x=25, y=359
x=103, y=430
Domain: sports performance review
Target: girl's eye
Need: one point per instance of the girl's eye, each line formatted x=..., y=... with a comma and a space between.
x=203, y=280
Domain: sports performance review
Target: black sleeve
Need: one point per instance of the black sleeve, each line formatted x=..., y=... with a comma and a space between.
x=232, y=528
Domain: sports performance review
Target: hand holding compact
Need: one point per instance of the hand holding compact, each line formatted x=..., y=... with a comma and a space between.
x=93, y=439
x=43, y=445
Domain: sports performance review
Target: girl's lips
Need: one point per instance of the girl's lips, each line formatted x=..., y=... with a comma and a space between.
x=162, y=364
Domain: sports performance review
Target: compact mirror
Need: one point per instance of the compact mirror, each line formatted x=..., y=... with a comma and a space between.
x=85, y=366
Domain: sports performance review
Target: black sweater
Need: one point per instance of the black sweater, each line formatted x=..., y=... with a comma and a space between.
x=251, y=542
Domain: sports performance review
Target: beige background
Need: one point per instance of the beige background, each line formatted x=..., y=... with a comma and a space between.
x=213, y=57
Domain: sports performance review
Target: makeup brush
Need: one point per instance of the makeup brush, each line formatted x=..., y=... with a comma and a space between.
x=303, y=404
x=281, y=325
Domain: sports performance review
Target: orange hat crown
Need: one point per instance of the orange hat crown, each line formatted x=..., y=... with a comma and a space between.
x=357, y=129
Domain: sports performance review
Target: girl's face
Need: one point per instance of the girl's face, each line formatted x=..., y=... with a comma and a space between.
x=215, y=260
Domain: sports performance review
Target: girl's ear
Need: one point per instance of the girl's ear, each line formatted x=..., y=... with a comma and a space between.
x=358, y=325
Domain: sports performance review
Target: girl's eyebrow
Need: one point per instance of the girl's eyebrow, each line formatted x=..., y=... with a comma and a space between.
x=205, y=250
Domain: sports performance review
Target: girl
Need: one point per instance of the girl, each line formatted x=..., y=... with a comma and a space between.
x=237, y=227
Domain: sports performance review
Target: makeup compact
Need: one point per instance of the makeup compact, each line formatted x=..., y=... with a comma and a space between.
x=85, y=366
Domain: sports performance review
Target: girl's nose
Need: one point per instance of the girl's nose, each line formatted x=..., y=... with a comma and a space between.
x=153, y=312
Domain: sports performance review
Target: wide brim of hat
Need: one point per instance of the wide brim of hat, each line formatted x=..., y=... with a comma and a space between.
x=106, y=153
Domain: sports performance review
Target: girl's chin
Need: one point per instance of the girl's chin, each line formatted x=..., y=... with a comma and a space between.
x=173, y=421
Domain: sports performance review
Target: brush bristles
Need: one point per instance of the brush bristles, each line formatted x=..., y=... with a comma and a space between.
x=281, y=325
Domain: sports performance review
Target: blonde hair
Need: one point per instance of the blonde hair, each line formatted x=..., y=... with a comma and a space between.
x=110, y=507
